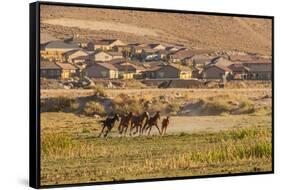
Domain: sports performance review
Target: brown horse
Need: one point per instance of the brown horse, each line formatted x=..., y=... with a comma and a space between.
x=153, y=121
x=125, y=123
x=165, y=124
x=138, y=121
x=109, y=124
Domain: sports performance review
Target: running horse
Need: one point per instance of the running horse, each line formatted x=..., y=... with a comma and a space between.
x=108, y=123
x=153, y=121
x=138, y=122
x=125, y=123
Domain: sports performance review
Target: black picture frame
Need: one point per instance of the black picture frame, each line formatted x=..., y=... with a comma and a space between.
x=34, y=91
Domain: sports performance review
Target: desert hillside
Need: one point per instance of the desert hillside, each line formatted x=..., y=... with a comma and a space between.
x=197, y=31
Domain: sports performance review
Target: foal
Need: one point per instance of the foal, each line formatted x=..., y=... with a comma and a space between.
x=165, y=124
x=109, y=124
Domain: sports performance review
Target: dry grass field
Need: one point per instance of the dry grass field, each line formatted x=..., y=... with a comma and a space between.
x=236, y=139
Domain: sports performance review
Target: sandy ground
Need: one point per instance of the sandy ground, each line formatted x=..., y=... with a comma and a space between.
x=213, y=123
x=101, y=25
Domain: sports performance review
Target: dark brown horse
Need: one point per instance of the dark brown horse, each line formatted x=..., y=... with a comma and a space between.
x=165, y=124
x=108, y=123
x=153, y=121
x=125, y=123
x=138, y=122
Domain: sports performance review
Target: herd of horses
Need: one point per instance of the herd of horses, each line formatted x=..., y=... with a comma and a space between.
x=140, y=124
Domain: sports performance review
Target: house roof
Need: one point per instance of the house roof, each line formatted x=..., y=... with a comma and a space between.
x=154, y=45
x=238, y=67
x=182, y=54
x=221, y=62
x=100, y=51
x=66, y=66
x=175, y=66
x=115, y=53
x=104, y=41
x=49, y=65
x=62, y=45
x=81, y=57
x=149, y=50
x=221, y=67
x=105, y=65
x=258, y=61
x=70, y=52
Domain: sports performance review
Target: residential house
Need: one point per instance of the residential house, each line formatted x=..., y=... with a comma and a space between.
x=56, y=49
x=102, y=70
x=239, y=71
x=163, y=54
x=50, y=70
x=180, y=56
x=129, y=70
x=173, y=71
x=259, y=70
x=80, y=59
x=156, y=46
x=101, y=56
x=199, y=60
x=116, y=55
x=136, y=49
x=216, y=71
x=70, y=56
x=105, y=44
x=67, y=70
x=219, y=61
x=173, y=48
x=149, y=54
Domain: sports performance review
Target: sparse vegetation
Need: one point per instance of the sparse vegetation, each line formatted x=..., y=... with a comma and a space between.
x=59, y=104
x=81, y=157
x=92, y=107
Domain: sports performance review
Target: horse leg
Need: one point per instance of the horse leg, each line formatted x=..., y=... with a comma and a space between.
x=120, y=128
x=108, y=130
x=158, y=129
x=131, y=128
x=137, y=128
x=149, y=129
x=101, y=131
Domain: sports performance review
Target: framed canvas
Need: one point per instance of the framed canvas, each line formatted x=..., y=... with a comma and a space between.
x=123, y=94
